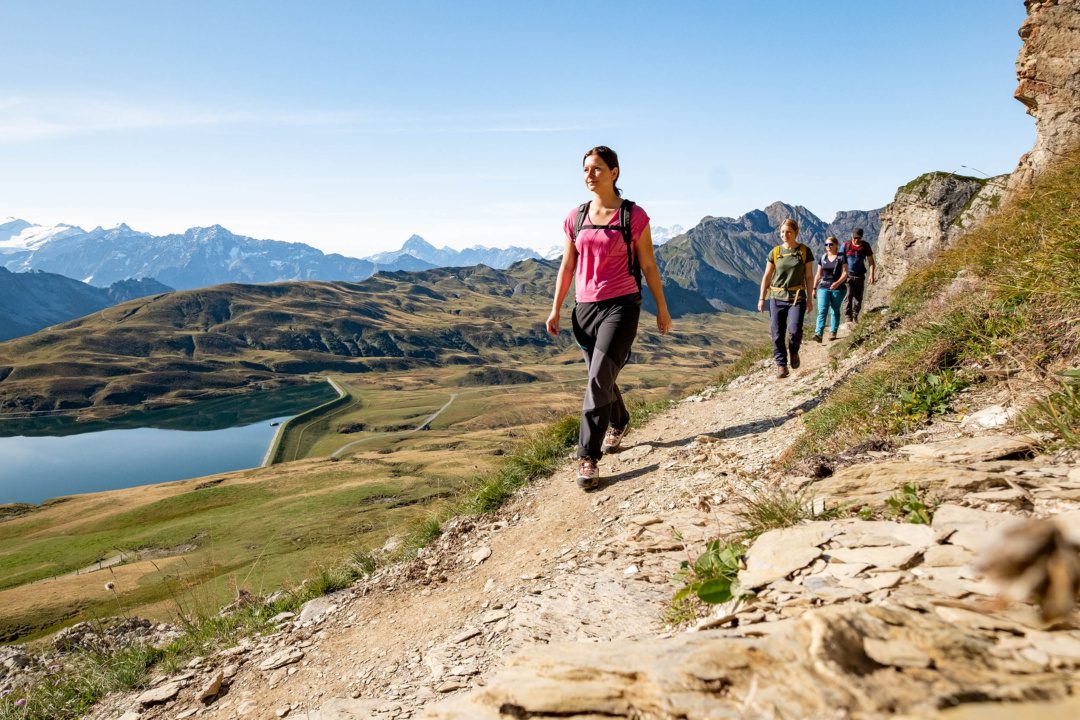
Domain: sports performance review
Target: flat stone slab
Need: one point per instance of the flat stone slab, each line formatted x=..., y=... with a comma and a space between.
x=212, y=686
x=898, y=653
x=288, y=656
x=899, y=558
x=964, y=450
x=875, y=482
x=967, y=527
x=862, y=533
x=317, y=607
x=778, y=553
x=946, y=556
x=160, y=694
x=988, y=418
x=344, y=709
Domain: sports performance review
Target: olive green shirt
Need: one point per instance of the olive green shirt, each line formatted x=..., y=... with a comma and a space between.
x=789, y=279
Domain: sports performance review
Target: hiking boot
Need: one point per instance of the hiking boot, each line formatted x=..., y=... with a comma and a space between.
x=613, y=440
x=781, y=371
x=816, y=338
x=832, y=336
x=588, y=475
x=794, y=361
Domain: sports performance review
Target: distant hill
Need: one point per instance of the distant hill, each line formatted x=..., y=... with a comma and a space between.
x=34, y=300
x=421, y=251
x=721, y=259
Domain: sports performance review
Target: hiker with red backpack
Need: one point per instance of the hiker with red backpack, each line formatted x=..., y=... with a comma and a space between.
x=786, y=284
x=859, y=256
x=608, y=250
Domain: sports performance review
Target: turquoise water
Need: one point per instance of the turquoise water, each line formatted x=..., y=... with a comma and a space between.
x=47, y=458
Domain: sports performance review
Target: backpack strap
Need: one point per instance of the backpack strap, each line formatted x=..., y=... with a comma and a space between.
x=582, y=216
x=625, y=211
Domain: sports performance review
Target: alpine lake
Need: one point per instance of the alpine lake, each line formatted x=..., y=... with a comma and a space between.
x=49, y=457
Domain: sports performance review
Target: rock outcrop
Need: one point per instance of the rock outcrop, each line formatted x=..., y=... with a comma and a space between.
x=926, y=216
x=1048, y=71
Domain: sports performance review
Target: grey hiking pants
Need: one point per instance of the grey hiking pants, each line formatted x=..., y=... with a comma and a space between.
x=604, y=331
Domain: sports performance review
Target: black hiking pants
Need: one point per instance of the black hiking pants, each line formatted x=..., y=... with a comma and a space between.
x=853, y=301
x=604, y=331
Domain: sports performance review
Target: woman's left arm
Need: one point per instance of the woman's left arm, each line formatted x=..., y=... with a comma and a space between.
x=809, y=284
x=647, y=261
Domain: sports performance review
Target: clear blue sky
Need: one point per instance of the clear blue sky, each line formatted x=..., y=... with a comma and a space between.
x=351, y=125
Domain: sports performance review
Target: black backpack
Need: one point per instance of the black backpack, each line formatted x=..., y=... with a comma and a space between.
x=624, y=225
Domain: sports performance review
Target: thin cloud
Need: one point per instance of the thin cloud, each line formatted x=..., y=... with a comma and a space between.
x=28, y=119
x=24, y=119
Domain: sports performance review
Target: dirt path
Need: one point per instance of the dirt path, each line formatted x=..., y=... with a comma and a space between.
x=556, y=563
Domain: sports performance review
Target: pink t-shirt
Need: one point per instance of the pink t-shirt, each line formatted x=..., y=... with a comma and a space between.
x=603, y=268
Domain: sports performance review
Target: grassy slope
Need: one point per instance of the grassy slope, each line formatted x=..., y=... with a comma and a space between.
x=1006, y=294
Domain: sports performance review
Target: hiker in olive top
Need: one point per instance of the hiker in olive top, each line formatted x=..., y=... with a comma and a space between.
x=787, y=285
x=608, y=249
x=829, y=282
x=859, y=256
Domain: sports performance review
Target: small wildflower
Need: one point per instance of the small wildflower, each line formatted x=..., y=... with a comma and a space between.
x=20, y=702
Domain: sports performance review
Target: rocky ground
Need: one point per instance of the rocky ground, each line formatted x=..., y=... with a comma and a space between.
x=556, y=605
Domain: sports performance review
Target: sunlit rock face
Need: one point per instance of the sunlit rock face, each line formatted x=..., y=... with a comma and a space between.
x=927, y=216
x=1048, y=71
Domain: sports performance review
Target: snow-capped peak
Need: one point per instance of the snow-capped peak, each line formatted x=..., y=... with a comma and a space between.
x=18, y=234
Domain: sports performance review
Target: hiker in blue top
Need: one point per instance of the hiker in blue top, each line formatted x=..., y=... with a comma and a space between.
x=789, y=271
x=859, y=255
x=829, y=282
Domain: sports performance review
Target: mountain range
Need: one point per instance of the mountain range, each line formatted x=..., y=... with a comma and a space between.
x=205, y=256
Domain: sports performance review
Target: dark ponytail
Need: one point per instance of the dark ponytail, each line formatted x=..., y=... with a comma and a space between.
x=610, y=159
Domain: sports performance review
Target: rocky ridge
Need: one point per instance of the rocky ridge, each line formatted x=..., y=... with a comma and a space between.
x=555, y=605
x=926, y=216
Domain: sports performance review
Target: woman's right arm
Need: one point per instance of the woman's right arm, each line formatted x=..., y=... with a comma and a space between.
x=562, y=285
x=843, y=277
x=765, y=279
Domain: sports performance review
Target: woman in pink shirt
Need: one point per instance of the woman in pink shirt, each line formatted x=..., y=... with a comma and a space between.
x=608, y=250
